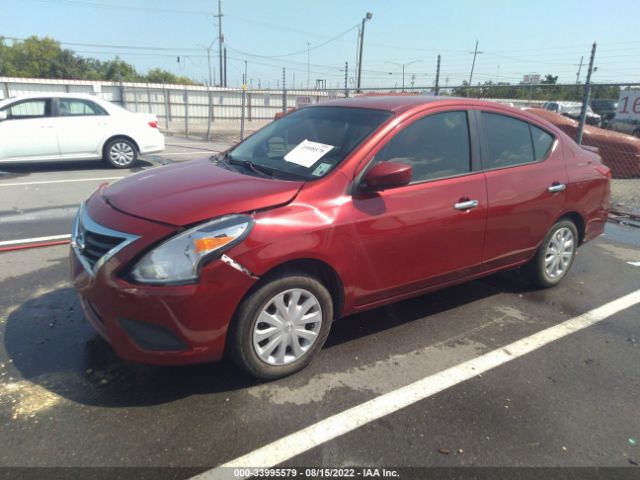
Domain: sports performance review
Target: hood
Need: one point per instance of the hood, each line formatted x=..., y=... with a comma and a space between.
x=190, y=192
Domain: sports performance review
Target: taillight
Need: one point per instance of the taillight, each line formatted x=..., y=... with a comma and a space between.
x=153, y=124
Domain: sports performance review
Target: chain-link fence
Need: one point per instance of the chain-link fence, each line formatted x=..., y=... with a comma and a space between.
x=612, y=113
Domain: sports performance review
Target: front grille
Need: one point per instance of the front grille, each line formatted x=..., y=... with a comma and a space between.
x=97, y=245
x=93, y=243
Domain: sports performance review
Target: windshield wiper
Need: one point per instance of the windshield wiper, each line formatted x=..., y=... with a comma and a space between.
x=248, y=164
x=226, y=161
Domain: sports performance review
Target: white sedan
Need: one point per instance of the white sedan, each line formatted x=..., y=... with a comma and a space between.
x=75, y=127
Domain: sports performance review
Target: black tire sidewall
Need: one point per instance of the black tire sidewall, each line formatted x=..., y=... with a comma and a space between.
x=240, y=340
x=110, y=144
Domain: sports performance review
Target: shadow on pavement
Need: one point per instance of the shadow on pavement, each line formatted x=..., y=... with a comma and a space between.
x=11, y=170
x=51, y=344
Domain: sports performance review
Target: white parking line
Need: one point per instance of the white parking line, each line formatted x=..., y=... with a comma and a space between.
x=45, y=182
x=330, y=428
x=34, y=240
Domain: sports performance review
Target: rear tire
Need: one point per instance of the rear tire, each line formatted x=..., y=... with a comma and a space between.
x=120, y=153
x=555, y=255
x=279, y=328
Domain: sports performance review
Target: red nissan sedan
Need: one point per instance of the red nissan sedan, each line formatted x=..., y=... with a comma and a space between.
x=332, y=209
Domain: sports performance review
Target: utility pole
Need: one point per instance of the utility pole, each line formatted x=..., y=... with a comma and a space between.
x=368, y=16
x=284, y=90
x=357, y=55
x=220, y=38
x=579, y=69
x=210, y=114
x=224, y=74
x=244, y=99
x=475, y=53
x=586, y=94
x=438, y=77
x=346, y=79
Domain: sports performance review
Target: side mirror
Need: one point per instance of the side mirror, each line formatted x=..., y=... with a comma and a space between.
x=3, y=115
x=387, y=175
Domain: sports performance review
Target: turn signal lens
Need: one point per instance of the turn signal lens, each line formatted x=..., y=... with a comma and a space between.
x=208, y=244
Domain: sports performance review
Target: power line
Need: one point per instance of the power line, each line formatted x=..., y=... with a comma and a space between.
x=306, y=50
x=127, y=47
x=126, y=8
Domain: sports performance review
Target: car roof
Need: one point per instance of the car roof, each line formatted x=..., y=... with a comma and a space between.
x=401, y=103
x=25, y=96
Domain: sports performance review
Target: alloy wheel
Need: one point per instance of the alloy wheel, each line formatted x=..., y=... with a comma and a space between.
x=121, y=153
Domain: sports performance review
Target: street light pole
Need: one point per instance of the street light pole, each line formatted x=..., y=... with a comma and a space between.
x=368, y=16
x=211, y=80
x=403, y=65
x=308, y=49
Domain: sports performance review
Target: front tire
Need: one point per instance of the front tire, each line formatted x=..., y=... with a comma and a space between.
x=554, y=256
x=120, y=153
x=279, y=328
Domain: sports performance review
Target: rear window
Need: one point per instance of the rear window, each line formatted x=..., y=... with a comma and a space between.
x=508, y=141
x=511, y=142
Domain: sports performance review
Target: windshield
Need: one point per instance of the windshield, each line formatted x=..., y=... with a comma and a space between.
x=310, y=142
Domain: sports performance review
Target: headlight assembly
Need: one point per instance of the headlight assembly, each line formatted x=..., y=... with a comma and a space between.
x=180, y=258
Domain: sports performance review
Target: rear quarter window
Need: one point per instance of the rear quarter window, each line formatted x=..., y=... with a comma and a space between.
x=542, y=142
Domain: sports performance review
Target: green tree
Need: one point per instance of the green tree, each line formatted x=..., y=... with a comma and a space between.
x=45, y=58
x=117, y=70
x=156, y=75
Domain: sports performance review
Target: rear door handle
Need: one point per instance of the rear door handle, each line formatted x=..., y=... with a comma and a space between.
x=557, y=187
x=466, y=205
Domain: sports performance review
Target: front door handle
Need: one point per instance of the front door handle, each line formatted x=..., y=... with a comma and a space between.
x=557, y=187
x=466, y=205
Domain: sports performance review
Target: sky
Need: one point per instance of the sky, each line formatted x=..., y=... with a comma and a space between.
x=314, y=39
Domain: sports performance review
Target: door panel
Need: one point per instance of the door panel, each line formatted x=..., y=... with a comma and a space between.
x=521, y=205
x=413, y=237
x=28, y=131
x=81, y=126
x=430, y=231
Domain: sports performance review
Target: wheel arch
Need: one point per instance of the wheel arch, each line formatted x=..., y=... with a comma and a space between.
x=318, y=269
x=119, y=136
x=578, y=221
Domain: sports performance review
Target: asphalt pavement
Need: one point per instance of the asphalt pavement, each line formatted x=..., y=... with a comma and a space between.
x=67, y=400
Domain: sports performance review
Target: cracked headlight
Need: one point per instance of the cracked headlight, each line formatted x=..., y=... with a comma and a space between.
x=180, y=258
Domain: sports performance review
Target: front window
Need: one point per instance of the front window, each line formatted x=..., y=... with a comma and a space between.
x=436, y=146
x=27, y=109
x=309, y=143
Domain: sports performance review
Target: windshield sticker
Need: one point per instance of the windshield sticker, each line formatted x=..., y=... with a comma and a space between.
x=306, y=153
x=321, y=169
